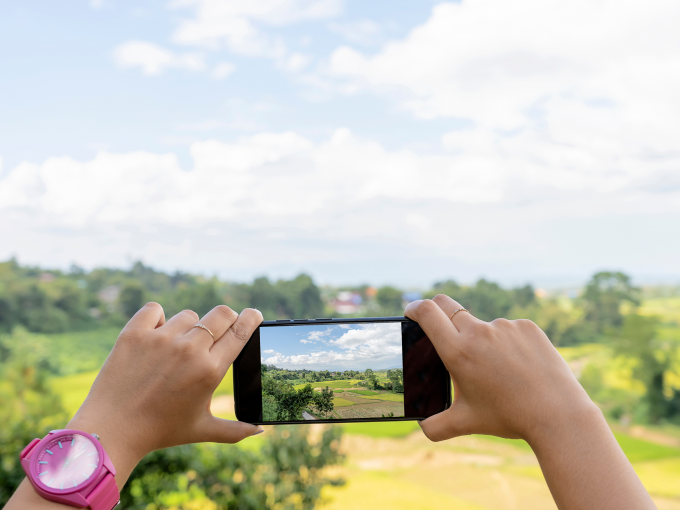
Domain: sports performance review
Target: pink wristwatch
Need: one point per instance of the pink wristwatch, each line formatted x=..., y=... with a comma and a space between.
x=72, y=468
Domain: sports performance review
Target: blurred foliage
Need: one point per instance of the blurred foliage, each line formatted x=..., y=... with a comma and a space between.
x=638, y=341
x=64, y=323
x=390, y=301
x=28, y=407
x=603, y=297
x=52, y=301
x=485, y=300
x=286, y=472
x=298, y=298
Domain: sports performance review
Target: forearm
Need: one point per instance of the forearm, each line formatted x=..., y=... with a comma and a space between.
x=585, y=467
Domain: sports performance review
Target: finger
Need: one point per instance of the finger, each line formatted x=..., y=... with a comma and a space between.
x=462, y=319
x=217, y=430
x=456, y=421
x=218, y=321
x=150, y=316
x=436, y=325
x=232, y=342
x=181, y=323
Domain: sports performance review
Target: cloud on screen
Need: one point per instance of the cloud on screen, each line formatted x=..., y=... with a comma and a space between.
x=359, y=345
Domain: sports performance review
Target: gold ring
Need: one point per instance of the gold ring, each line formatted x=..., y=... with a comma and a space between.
x=459, y=310
x=203, y=327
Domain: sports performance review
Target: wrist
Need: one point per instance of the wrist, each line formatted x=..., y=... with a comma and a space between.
x=562, y=429
x=124, y=455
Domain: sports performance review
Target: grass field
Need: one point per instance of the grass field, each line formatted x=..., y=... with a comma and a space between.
x=367, y=404
x=341, y=402
x=389, y=397
x=348, y=383
x=393, y=463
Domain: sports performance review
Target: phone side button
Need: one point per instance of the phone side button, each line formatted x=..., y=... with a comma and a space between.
x=323, y=319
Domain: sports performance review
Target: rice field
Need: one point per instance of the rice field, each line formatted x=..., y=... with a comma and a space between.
x=341, y=402
x=467, y=473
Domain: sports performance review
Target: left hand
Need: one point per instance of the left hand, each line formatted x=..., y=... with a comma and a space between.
x=154, y=390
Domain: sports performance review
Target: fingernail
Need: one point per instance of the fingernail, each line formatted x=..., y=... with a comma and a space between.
x=259, y=432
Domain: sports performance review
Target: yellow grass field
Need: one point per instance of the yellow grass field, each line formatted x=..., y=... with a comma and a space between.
x=341, y=402
x=394, y=464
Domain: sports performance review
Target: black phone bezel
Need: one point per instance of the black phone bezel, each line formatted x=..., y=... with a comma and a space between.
x=436, y=365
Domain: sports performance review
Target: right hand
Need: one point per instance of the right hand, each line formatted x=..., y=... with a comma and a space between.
x=509, y=380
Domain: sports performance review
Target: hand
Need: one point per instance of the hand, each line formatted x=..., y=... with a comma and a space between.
x=509, y=381
x=154, y=390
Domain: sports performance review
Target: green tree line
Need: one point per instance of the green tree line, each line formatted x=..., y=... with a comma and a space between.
x=53, y=301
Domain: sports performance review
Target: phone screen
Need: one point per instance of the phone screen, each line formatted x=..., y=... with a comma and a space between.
x=332, y=371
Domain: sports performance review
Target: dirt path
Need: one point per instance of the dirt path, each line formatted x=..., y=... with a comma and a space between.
x=308, y=416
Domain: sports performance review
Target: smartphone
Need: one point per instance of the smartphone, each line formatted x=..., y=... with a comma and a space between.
x=339, y=370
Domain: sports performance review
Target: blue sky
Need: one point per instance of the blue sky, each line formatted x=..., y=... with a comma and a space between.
x=398, y=142
x=333, y=346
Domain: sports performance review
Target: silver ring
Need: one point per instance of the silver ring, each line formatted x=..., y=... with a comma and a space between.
x=203, y=327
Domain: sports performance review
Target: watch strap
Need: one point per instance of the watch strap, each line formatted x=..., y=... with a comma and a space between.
x=105, y=495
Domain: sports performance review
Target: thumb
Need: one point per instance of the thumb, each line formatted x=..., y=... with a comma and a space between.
x=217, y=430
x=456, y=421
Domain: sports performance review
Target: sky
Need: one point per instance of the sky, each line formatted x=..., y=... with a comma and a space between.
x=401, y=142
x=332, y=346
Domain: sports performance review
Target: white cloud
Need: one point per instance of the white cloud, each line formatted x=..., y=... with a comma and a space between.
x=294, y=62
x=491, y=60
x=153, y=59
x=328, y=358
x=235, y=23
x=222, y=70
x=365, y=32
x=247, y=178
x=276, y=178
x=519, y=200
x=376, y=338
x=271, y=351
x=315, y=336
x=574, y=96
x=206, y=125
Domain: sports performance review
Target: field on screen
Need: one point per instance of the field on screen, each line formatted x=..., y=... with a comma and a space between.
x=339, y=371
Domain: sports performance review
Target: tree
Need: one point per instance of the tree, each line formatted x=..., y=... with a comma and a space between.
x=287, y=473
x=372, y=379
x=390, y=300
x=131, y=299
x=28, y=406
x=603, y=297
x=263, y=296
x=6, y=314
x=638, y=340
x=524, y=296
x=200, y=297
x=486, y=300
x=300, y=298
x=396, y=377
x=323, y=401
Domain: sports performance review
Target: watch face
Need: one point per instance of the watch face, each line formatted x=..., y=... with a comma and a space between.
x=67, y=461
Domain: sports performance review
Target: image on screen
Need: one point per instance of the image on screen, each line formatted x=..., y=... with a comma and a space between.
x=332, y=371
